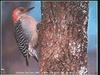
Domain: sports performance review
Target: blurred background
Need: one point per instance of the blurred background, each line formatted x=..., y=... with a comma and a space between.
x=12, y=59
x=92, y=37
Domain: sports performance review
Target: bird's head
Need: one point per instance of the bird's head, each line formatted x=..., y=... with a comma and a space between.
x=18, y=12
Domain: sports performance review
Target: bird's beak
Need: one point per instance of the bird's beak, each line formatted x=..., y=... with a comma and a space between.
x=29, y=9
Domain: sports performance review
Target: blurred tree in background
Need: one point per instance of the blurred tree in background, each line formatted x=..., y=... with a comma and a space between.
x=63, y=37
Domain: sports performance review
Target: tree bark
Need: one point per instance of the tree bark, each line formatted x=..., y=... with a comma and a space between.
x=63, y=37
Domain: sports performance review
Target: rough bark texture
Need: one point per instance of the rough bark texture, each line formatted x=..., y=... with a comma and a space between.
x=63, y=37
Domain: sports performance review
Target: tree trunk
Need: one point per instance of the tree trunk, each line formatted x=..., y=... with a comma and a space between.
x=63, y=37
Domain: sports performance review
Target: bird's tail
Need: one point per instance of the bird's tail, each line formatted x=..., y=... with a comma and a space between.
x=33, y=53
x=27, y=63
x=35, y=58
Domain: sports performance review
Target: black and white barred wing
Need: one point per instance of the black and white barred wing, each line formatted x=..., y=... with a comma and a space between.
x=21, y=40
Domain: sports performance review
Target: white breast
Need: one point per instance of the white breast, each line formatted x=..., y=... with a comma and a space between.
x=29, y=25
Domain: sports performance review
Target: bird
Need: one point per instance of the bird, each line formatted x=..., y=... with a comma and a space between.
x=26, y=33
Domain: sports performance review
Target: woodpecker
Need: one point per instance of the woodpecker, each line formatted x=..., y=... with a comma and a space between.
x=26, y=34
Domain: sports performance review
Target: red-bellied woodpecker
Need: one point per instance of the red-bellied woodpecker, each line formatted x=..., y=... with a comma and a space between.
x=25, y=32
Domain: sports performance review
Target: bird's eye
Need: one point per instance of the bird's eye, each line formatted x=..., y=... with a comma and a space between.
x=21, y=10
